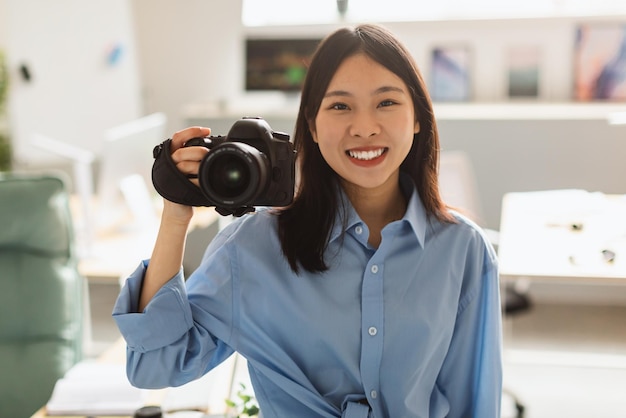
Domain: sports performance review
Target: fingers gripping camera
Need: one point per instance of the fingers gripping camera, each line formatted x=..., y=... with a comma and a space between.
x=251, y=166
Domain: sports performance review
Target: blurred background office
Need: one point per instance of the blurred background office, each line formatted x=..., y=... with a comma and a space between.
x=80, y=68
x=519, y=107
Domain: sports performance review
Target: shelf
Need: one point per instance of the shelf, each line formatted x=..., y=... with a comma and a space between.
x=530, y=111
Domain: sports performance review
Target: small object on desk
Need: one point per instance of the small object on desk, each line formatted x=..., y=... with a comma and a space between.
x=609, y=256
x=605, y=256
x=574, y=226
x=151, y=411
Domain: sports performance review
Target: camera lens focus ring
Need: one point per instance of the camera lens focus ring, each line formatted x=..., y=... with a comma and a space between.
x=233, y=174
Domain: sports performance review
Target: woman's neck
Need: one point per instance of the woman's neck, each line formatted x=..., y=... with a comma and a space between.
x=377, y=207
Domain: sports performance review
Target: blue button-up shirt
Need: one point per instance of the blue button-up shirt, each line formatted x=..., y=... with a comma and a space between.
x=409, y=329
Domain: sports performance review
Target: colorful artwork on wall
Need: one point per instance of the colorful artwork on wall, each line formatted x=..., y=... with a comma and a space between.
x=450, y=73
x=600, y=62
x=523, y=71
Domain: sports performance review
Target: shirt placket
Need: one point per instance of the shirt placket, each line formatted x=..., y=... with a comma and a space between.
x=372, y=328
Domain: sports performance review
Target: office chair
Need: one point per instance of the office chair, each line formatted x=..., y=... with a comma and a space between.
x=458, y=187
x=41, y=291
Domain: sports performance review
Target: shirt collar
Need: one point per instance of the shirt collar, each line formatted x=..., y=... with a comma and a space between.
x=415, y=215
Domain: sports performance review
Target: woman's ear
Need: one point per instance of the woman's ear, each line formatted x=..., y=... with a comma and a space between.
x=416, y=129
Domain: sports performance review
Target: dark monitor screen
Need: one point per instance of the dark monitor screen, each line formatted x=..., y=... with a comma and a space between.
x=277, y=64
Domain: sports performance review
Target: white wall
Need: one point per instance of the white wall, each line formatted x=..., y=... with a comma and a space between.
x=3, y=25
x=189, y=50
x=75, y=93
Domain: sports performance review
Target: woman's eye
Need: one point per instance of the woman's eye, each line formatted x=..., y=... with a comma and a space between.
x=386, y=103
x=338, y=106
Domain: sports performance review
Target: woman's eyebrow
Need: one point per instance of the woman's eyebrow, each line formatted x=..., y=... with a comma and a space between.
x=386, y=89
x=341, y=93
x=383, y=89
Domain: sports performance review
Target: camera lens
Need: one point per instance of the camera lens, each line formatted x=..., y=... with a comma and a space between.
x=234, y=174
x=229, y=176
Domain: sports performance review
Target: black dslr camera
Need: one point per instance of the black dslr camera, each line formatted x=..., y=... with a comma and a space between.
x=251, y=166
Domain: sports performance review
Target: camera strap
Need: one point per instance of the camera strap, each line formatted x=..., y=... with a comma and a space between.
x=176, y=187
x=171, y=183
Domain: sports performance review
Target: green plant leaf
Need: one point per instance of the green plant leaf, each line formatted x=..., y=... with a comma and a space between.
x=252, y=411
x=5, y=153
x=246, y=405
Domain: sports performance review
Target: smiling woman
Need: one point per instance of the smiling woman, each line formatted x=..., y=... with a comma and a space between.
x=368, y=296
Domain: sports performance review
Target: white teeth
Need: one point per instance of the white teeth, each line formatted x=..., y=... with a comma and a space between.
x=366, y=155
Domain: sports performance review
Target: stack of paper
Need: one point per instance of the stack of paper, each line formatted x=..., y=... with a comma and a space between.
x=91, y=388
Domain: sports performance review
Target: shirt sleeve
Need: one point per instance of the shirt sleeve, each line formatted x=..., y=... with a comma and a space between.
x=471, y=377
x=165, y=347
x=166, y=318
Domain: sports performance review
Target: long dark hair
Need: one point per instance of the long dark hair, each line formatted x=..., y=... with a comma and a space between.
x=305, y=226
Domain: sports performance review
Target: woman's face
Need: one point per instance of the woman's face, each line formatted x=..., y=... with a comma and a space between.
x=365, y=124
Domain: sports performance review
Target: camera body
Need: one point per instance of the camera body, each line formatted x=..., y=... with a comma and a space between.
x=251, y=166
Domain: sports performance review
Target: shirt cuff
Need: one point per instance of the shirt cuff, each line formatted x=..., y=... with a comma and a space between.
x=165, y=320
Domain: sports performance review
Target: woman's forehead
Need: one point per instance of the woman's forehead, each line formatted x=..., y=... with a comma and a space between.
x=361, y=72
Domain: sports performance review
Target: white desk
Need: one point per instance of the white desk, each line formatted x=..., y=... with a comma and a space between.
x=561, y=235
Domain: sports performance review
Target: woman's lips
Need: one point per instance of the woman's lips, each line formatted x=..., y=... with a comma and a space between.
x=367, y=157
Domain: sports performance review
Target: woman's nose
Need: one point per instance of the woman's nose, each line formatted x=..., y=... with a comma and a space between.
x=364, y=125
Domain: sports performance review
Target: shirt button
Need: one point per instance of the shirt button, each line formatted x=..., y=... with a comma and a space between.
x=372, y=331
x=374, y=269
x=358, y=230
x=374, y=394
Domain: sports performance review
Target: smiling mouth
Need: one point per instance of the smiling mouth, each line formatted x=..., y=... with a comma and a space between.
x=366, y=155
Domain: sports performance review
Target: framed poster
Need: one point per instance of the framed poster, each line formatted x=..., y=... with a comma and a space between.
x=600, y=62
x=523, y=63
x=450, y=73
x=277, y=64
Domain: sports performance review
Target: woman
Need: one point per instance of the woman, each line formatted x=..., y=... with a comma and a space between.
x=366, y=297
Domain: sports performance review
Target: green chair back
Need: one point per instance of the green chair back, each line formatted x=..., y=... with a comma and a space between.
x=41, y=291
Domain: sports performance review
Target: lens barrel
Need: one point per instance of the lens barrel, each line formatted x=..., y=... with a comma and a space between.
x=233, y=174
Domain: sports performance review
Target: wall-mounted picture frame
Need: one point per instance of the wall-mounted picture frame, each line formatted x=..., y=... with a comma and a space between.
x=277, y=64
x=523, y=71
x=600, y=62
x=450, y=73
